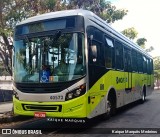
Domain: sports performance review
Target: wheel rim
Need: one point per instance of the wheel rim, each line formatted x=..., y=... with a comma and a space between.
x=108, y=107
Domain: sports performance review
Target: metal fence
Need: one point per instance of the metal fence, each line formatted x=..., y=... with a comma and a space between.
x=5, y=95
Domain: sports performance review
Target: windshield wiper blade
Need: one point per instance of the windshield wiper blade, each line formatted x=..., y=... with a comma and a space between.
x=27, y=39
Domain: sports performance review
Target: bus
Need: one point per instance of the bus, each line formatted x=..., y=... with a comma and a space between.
x=72, y=64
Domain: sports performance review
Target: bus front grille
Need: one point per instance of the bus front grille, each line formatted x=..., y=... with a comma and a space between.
x=45, y=108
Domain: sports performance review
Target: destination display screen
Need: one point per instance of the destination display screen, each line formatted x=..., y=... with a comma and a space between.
x=48, y=25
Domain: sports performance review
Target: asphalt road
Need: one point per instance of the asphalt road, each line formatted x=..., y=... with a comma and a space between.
x=5, y=107
x=136, y=115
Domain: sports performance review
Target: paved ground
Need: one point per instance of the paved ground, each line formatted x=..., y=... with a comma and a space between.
x=5, y=106
x=137, y=115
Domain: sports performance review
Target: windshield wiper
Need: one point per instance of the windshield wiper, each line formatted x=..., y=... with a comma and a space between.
x=27, y=40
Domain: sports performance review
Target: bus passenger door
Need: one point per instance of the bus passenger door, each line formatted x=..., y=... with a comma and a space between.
x=128, y=76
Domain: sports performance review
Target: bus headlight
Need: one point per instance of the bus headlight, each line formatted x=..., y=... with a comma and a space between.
x=81, y=90
x=70, y=96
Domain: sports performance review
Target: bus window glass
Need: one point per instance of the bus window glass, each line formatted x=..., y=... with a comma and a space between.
x=151, y=66
x=140, y=63
x=127, y=60
x=134, y=61
x=119, y=56
x=109, y=53
x=144, y=64
x=96, y=41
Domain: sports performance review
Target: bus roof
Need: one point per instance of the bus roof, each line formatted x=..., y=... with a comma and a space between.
x=57, y=14
x=87, y=14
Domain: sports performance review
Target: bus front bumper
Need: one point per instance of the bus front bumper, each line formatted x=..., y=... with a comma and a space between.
x=75, y=108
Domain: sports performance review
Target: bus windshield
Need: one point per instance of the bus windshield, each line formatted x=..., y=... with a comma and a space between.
x=47, y=59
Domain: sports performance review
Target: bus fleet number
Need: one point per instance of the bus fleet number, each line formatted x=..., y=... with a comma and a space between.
x=56, y=97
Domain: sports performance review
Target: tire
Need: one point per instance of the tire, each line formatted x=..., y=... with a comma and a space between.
x=111, y=108
x=143, y=99
x=107, y=115
x=112, y=102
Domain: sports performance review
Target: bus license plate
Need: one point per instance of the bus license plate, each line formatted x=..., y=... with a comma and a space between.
x=40, y=114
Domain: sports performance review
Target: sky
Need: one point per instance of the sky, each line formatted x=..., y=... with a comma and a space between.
x=144, y=16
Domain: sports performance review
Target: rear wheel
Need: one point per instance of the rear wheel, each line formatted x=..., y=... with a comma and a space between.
x=143, y=99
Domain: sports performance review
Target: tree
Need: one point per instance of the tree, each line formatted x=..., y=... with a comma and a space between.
x=149, y=49
x=141, y=42
x=11, y=12
x=131, y=33
x=14, y=11
x=156, y=62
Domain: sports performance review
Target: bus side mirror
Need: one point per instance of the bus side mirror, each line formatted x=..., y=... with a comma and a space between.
x=94, y=52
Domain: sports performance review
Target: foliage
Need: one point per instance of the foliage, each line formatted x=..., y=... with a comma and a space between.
x=149, y=49
x=131, y=33
x=156, y=62
x=141, y=42
x=2, y=70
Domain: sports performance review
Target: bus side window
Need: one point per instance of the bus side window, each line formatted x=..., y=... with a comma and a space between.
x=119, y=56
x=151, y=66
x=96, y=42
x=127, y=60
x=144, y=64
x=109, y=54
x=140, y=63
x=134, y=61
x=147, y=66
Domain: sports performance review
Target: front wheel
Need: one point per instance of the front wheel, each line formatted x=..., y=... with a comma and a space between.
x=107, y=115
x=111, y=108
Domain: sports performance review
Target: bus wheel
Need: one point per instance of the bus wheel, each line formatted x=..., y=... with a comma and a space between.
x=143, y=99
x=107, y=115
x=111, y=107
x=112, y=102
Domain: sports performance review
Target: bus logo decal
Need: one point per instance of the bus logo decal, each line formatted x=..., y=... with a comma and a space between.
x=121, y=80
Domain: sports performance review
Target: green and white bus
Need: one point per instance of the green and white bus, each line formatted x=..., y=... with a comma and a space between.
x=72, y=64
